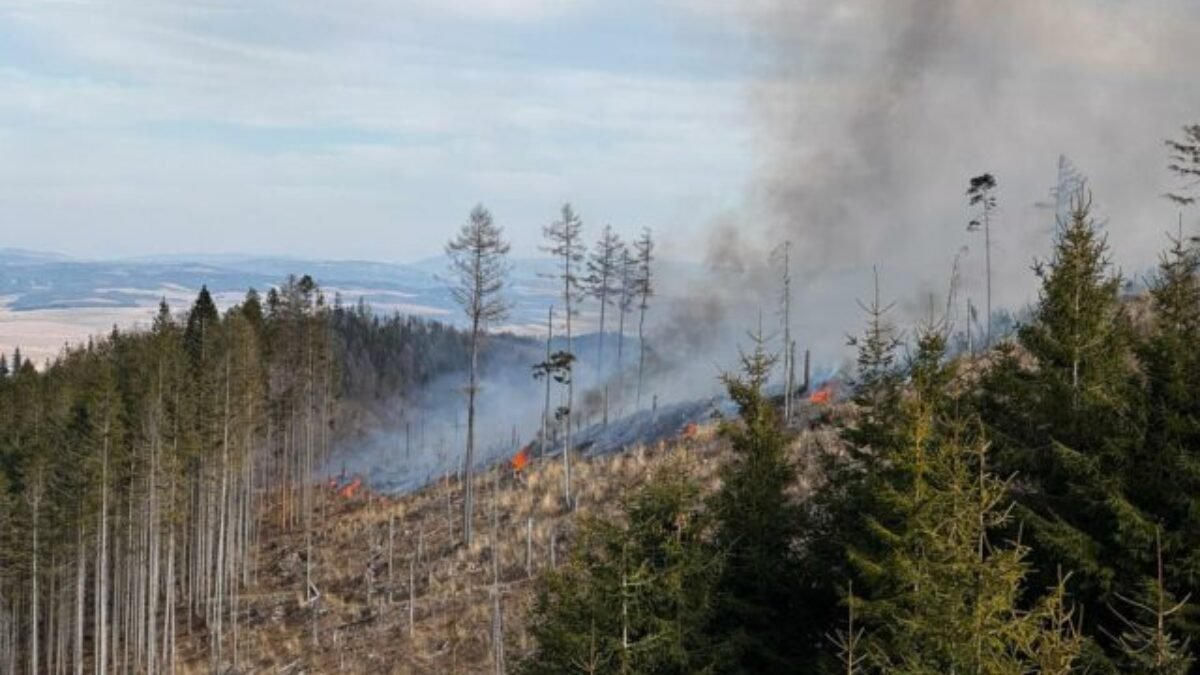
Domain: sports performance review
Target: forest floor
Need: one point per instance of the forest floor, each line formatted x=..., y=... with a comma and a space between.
x=400, y=593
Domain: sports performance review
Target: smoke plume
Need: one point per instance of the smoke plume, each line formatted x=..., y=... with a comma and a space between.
x=872, y=115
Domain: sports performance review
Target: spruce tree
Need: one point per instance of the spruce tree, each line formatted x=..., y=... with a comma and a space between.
x=756, y=627
x=944, y=596
x=200, y=324
x=1165, y=469
x=877, y=381
x=633, y=596
x=1066, y=412
x=1185, y=163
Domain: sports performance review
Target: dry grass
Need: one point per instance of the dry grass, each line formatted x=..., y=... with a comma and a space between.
x=362, y=618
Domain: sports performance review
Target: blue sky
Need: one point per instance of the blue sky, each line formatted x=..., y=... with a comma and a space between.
x=369, y=128
x=364, y=128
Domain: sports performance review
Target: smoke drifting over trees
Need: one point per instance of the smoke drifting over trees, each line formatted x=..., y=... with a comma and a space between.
x=871, y=115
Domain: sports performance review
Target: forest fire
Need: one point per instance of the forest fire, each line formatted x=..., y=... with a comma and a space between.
x=691, y=431
x=351, y=489
x=521, y=459
x=822, y=396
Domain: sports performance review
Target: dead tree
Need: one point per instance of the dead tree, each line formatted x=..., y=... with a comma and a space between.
x=479, y=272
x=1068, y=183
x=982, y=194
x=546, y=409
x=644, y=288
x=783, y=257
x=565, y=244
x=604, y=272
x=624, y=303
x=558, y=367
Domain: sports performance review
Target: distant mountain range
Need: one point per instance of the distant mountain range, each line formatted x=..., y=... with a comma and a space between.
x=48, y=299
x=34, y=280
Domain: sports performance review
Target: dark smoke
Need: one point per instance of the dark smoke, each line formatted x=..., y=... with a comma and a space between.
x=874, y=114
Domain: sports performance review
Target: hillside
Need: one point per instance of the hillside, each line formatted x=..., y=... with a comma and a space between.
x=399, y=595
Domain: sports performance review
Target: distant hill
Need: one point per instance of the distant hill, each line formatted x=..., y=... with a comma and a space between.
x=48, y=299
x=33, y=280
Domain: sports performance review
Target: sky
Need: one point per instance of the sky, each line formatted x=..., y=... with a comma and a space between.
x=361, y=128
x=367, y=129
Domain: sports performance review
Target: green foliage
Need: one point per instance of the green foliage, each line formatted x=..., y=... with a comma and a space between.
x=634, y=593
x=1167, y=466
x=1146, y=644
x=946, y=598
x=877, y=382
x=143, y=443
x=755, y=627
x=1100, y=427
x=1185, y=163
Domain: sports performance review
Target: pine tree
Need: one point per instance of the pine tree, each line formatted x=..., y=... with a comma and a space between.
x=942, y=596
x=1185, y=163
x=754, y=626
x=1146, y=641
x=1164, y=474
x=1067, y=416
x=877, y=381
x=633, y=596
x=200, y=321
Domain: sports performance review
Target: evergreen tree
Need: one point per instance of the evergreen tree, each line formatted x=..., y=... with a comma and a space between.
x=944, y=598
x=634, y=594
x=200, y=322
x=1067, y=416
x=1164, y=474
x=1185, y=163
x=1146, y=643
x=877, y=381
x=755, y=627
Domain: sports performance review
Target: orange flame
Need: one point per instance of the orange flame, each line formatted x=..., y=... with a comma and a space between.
x=690, y=431
x=521, y=459
x=822, y=395
x=351, y=489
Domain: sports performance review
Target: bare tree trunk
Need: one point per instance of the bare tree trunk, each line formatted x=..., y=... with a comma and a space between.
x=80, y=592
x=546, y=410
x=469, y=460
x=35, y=503
x=412, y=596
x=570, y=395
x=987, y=245
x=641, y=354
x=102, y=571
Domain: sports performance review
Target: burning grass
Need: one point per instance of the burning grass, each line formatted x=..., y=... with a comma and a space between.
x=400, y=594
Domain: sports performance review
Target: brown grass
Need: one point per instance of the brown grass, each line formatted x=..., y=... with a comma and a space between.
x=362, y=617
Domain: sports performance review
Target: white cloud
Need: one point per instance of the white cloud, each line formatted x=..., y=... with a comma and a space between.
x=225, y=125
